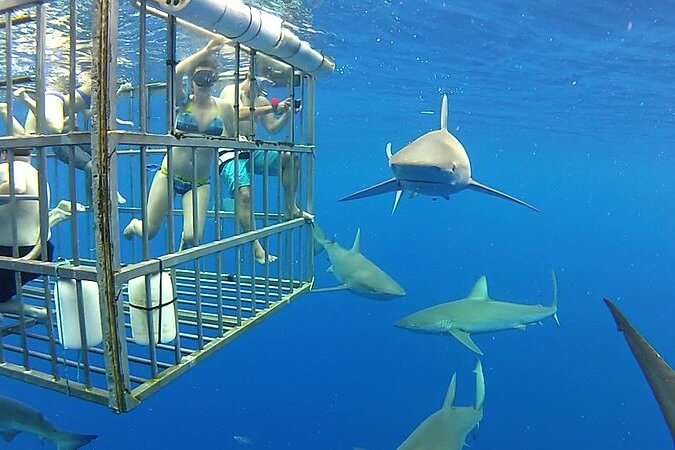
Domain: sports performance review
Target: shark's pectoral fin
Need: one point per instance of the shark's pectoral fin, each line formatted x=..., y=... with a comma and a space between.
x=396, y=201
x=465, y=338
x=390, y=185
x=476, y=186
x=9, y=436
x=342, y=287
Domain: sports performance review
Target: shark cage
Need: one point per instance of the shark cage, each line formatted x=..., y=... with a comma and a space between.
x=144, y=224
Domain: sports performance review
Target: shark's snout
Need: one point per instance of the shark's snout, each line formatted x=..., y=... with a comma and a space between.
x=406, y=322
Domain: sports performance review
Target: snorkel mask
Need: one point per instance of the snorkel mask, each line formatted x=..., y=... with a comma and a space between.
x=204, y=77
x=262, y=84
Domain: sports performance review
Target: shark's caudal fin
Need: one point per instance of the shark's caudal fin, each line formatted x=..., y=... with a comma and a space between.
x=555, y=297
x=450, y=396
x=444, y=112
x=476, y=186
x=72, y=441
x=391, y=185
x=480, y=385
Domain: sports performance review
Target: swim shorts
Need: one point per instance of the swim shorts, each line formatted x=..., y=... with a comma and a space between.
x=227, y=170
x=7, y=284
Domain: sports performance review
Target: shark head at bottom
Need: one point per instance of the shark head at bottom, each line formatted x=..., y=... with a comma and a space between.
x=448, y=428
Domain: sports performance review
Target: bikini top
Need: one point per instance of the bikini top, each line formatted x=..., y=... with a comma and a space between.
x=187, y=123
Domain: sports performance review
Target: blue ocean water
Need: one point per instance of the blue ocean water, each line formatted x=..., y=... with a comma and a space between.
x=567, y=105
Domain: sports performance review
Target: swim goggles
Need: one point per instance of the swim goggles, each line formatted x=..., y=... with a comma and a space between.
x=204, y=77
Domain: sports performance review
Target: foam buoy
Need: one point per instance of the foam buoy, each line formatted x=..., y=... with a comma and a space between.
x=68, y=318
x=163, y=313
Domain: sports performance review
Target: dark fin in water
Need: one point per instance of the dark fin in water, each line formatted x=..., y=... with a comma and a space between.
x=476, y=186
x=391, y=185
x=659, y=374
x=9, y=436
x=72, y=441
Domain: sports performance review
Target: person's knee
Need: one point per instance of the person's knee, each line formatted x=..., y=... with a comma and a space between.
x=244, y=196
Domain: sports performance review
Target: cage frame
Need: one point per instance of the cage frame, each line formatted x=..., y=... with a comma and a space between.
x=108, y=272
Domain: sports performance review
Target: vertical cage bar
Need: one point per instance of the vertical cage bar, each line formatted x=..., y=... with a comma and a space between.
x=142, y=91
x=219, y=255
x=15, y=255
x=41, y=21
x=72, y=59
x=104, y=37
x=44, y=237
x=195, y=242
x=83, y=333
x=266, y=223
x=9, y=76
x=149, y=311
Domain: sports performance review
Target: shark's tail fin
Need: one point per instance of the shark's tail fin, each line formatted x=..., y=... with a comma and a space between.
x=555, y=297
x=72, y=441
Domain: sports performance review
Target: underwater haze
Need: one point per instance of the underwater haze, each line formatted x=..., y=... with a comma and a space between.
x=567, y=105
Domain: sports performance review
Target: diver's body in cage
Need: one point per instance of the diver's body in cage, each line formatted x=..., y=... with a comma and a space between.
x=58, y=108
x=199, y=113
x=273, y=121
x=26, y=214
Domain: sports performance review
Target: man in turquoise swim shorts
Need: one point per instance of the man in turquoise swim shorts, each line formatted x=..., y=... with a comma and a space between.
x=273, y=122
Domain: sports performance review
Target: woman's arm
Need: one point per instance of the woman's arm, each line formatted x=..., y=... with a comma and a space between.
x=187, y=65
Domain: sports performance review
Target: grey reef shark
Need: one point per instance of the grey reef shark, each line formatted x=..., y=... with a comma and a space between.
x=478, y=313
x=659, y=374
x=435, y=164
x=15, y=418
x=448, y=428
x=354, y=271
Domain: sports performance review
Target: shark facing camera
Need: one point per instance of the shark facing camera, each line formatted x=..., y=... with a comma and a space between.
x=435, y=164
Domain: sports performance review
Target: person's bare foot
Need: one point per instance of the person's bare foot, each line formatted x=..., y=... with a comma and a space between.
x=297, y=213
x=135, y=228
x=261, y=256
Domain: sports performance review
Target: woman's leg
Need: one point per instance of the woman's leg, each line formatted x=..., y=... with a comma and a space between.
x=188, y=218
x=158, y=206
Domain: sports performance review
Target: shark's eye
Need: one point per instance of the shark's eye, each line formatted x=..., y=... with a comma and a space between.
x=454, y=166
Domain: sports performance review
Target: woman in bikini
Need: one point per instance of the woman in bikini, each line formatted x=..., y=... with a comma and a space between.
x=198, y=113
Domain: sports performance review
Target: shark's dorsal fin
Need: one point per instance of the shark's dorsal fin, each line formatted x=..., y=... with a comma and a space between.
x=444, y=112
x=479, y=290
x=356, y=248
x=450, y=396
